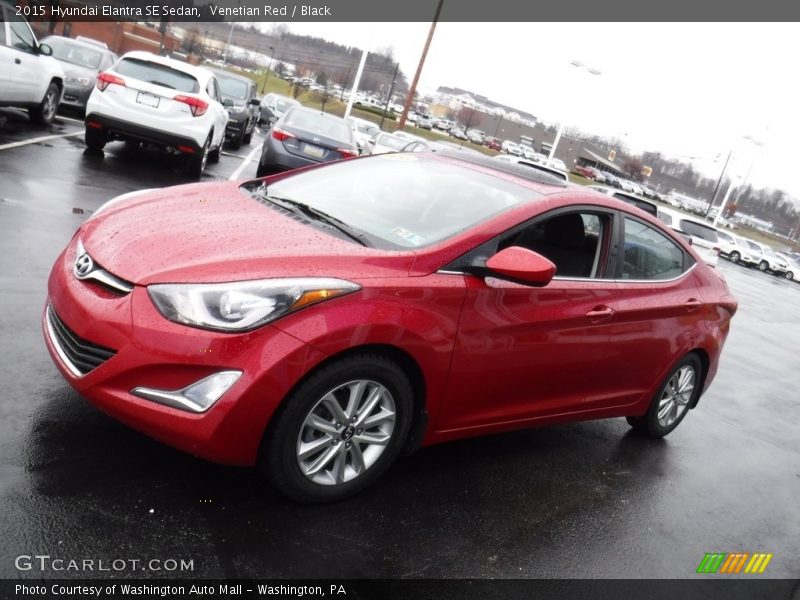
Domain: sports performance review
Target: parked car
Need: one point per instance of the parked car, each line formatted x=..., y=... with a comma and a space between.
x=493, y=143
x=705, y=237
x=528, y=153
x=645, y=205
x=728, y=246
x=476, y=136
x=613, y=180
x=363, y=132
x=424, y=122
x=778, y=264
x=637, y=189
x=304, y=136
x=542, y=168
x=243, y=106
x=443, y=124
x=159, y=100
x=457, y=132
x=511, y=148
x=387, y=142
x=792, y=267
x=289, y=322
x=766, y=259
x=587, y=172
x=82, y=60
x=30, y=77
x=273, y=106
x=557, y=163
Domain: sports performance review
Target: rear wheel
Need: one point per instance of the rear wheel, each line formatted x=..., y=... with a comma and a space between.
x=236, y=142
x=340, y=430
x=789, y=275
x=196, y=163
x=46, y=110
x=735, y=256
x=763, y=265
x=672, y=400
x=248, y=137
x=95, y=139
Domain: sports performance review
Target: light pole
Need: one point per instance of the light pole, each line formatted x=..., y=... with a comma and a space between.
x=740, y=184
x=578, y=65
x=228, y=46
x=269, y=68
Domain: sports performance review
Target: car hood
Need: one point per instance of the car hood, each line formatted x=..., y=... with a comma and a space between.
x=217, y=232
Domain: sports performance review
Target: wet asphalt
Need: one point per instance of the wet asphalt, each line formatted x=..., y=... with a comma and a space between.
x=580, y=500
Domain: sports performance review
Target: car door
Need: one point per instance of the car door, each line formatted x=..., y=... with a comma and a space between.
x=26, y=81
x=526, y=352
x=658, y=307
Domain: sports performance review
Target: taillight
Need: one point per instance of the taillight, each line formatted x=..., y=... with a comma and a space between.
x=280, y=134
x=716, y=249
x=347, y=153
x=106, y=79
x=197, y=105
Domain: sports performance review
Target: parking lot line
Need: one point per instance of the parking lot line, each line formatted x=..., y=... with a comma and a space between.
x=36, y=140
x=245, y=162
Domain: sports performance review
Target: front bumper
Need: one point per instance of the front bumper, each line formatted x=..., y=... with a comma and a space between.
x=151, y=352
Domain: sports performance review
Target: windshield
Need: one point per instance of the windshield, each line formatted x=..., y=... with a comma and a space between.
x=232, y=88
x=368, y=128
x=75, y=54
x=405, y=200
x=392, y=142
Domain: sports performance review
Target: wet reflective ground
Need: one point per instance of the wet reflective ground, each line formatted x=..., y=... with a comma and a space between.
x=580, y=500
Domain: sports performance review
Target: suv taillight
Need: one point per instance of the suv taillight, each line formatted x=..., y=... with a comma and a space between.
x=198, y=106
x=280, y=134
x=106, y=79
x=347, y=153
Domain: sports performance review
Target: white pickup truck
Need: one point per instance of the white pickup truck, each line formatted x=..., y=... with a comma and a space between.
x=29, y=77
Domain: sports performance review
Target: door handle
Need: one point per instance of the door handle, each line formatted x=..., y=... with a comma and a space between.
x=18, y=61
x=692, y=304
x=600, y=313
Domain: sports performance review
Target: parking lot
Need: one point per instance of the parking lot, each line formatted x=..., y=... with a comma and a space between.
x=581, y=500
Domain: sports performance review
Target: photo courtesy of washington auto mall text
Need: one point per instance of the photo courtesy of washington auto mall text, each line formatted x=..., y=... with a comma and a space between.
x=399, y=300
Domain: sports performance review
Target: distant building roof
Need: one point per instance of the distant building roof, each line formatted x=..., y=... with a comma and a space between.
x=586, y=153
x=454, y=91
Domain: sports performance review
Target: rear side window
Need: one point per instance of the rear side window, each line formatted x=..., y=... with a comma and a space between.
x=701, y=231
x=649, y=254
x=157, y=74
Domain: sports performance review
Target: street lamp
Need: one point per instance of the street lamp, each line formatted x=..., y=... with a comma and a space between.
x=741, y=182
x=269, y=68
x=578, y=65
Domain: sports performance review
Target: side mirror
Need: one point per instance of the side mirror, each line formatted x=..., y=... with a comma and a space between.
x=522, y=266
x=45, y=50
x=227, y=103
x=254, y=102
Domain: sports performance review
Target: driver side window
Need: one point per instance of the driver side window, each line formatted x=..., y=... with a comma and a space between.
x=21, y=36
x=576, y=242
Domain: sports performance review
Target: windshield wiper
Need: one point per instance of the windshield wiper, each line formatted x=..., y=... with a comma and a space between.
x=318, y=215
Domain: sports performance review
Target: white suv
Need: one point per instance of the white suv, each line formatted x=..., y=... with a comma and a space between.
x=705, y=238
x=29, y=77
x=158, y=100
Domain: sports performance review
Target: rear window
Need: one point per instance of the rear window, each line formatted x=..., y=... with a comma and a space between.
x=234, y=88
x=699, y=230
x=319, y=124
x=157, y=74
x=392, y=142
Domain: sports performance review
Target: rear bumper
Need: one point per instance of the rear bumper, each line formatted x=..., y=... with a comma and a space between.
x=125, y=130
x=275, y=156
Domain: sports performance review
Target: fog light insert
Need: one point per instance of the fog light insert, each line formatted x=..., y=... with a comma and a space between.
x=197, y=397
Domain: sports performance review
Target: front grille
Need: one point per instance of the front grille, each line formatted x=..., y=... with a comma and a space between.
x=79, y=355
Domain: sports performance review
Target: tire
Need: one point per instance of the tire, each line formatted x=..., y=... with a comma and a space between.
x=789, y=275
x=248, y=137
x=196, y=163
x=338, y=460
x=236, y=142
x=763, y=266
x=95, y=139
x=45, y=112
x=734, y=256
x=650, y=424
x=213, y=155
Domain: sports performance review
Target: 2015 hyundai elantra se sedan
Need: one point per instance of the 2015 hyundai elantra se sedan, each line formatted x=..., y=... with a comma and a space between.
x=320, y=322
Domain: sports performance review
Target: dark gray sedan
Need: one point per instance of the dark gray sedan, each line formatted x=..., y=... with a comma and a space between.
x=81, y=61
x=304, y=136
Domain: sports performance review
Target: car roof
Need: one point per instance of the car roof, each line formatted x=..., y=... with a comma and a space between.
x=200, y=73
x=532, y=178
x=81, y=43
x=684, y=217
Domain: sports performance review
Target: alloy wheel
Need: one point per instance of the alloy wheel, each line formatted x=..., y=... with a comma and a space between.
x=677, y=394
x=345, y=432
x=49, y=108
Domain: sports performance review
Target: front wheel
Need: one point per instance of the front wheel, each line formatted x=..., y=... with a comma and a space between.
x=340, y=430
x=46, y=110
x=735, y=256
x=671, y=402
x=763, y=265
x=789, y=275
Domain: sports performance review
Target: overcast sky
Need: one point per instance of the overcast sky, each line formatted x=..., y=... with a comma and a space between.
x=688, y=90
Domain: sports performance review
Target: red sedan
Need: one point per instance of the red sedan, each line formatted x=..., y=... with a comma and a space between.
x=319, y=322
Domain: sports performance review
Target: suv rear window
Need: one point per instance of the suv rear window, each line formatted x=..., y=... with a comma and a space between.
x=698, y=230
x=157, y=74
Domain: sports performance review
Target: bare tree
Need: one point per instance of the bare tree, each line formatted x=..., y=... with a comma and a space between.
x=633, y=168
x=469, y=117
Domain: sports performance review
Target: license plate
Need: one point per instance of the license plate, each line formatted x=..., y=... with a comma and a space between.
x=314, y=151
x=147, y=99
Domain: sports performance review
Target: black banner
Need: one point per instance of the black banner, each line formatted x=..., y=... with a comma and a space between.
x=467, y=589
x=405, y=10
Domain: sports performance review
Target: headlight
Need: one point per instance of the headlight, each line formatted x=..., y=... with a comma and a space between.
x=78, y=80
x=243, y=305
